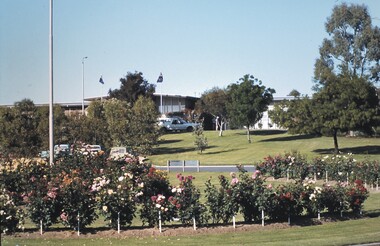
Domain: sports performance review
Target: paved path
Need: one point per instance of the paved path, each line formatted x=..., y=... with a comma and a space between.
x=205, y=168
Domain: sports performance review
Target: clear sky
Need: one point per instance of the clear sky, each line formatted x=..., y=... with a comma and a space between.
x=196, y=44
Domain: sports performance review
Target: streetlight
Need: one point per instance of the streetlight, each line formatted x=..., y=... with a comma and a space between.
x=83, y=84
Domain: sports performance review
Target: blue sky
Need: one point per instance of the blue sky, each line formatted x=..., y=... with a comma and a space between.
x=196, y=44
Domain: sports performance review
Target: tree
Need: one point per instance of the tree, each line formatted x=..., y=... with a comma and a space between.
x=248, y=99
x=61, y=133
x=295, y=115
x=343, y=104
x=132, y=86
x=18, y=129
x=346, y=104
x=347, y=63
x=353, y=48
x=214, y=102
x=118, y=117
x=200, y=141
x=144, y=133
x=294, y=93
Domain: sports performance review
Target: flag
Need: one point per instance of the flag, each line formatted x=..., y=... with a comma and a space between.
x=160, y=78
x=101, y=80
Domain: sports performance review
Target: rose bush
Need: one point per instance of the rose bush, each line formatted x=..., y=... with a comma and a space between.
x=186, y=202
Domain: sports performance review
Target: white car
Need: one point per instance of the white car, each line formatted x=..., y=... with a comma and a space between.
x=176, y=124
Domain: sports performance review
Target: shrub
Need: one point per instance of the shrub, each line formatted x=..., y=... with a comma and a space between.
x=186, y=203
x=222, y=202
x=11, y=217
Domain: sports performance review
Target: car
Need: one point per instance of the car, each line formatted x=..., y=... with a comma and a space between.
x=61, y=149
x=94, y=148
x=176, y=124
x=118, y=152
x=45, y=154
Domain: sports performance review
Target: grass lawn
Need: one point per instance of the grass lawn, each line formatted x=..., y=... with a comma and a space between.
x=233, y=148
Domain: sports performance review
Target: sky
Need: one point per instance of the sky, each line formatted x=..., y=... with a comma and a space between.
x=195, y=44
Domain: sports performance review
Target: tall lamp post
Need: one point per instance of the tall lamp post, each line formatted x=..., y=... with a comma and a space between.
x=51, y=124
x=83, y=83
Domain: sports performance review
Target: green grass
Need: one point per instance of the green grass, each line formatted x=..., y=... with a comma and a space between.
x=233, y=147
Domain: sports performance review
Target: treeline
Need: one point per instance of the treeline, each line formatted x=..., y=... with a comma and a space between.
x=24, y=128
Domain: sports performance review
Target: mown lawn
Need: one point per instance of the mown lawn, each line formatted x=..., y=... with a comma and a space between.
x=233, y=147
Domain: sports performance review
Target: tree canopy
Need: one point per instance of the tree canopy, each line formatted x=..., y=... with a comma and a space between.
x=214, y=102
x=345, y=73
x=247, y=101
x=353, y=46
x=132, y=86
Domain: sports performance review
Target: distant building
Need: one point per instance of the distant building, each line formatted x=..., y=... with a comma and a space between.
x=266, y=123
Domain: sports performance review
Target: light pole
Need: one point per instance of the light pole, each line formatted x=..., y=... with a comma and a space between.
x=51, y=122
x=83, y=84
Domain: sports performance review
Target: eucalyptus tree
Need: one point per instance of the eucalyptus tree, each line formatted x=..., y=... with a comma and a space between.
x=248, y=99
x=345, y=97
x=352, y=48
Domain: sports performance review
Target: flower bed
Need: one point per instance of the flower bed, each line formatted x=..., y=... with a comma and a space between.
x=78, y=188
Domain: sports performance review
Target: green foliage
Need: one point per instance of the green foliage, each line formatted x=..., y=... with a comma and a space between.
x=132, y=86
x=118, y=117
x=186, y=202
x=41, y=196
x=352, y=49
x=222, y=201
x=200, y=142
x=214, y=102
x=18, y=129
x=342, y=104
x=156, y=190
x=116, y=194
x=11, y=216
x=143, y=134
x=248, y=99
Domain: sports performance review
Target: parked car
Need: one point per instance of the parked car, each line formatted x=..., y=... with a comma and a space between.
x=95, y=148
x=61, y=149
x=118, y=152
x=45, y=154
x=176, y=124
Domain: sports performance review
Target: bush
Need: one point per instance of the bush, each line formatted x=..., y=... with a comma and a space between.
x=11, y=216
x=186, y=203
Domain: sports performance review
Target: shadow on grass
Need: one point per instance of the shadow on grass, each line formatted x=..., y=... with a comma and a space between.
x=208, y=152
x=290, y=138
x=171, y=150
x=368, y=149
x=163, y=141
x=261, y=132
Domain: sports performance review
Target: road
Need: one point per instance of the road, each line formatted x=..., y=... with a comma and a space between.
x=225, y=168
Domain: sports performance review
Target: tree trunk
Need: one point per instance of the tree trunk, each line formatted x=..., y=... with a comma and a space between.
x=221, y=129
x=336, y=148
x=248, y=135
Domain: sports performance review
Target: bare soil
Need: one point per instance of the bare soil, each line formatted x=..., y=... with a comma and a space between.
x=168, y=230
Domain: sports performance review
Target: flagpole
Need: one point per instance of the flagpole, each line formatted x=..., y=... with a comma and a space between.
x=160, y=80
x=83, y=84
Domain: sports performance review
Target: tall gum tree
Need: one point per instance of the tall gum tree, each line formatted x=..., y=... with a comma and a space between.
x=345, y=96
